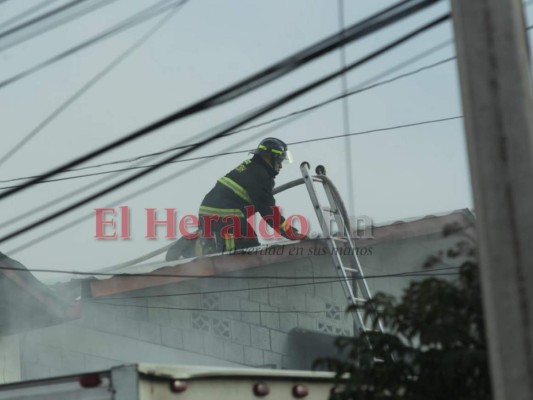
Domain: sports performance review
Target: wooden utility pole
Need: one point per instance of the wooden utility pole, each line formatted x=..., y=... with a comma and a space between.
x=493, y=58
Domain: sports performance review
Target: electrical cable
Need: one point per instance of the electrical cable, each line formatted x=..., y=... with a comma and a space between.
x=220, y=310
x=432, y=272
x=251, y=116
x=73, y=10
x=152, y=186
x=95, y=79
x=236, y=277
x=394, y=127
x=136, y=19
x=256, y=80
x=138, y=192
x=42, y=17
x=25, y=13
x=355, y=90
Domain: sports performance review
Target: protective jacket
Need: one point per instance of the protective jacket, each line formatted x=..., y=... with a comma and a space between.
x=249, y=184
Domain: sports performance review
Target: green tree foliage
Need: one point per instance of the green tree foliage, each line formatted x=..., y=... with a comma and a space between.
x=434, y=342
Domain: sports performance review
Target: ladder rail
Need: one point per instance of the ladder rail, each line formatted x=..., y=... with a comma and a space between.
x=352, y=250
x=332, y=247
x=344, y=229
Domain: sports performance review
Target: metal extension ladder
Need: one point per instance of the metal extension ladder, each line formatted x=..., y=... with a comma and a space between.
x=346, y=273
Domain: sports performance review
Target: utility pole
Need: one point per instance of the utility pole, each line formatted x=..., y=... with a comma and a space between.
x=493, y=58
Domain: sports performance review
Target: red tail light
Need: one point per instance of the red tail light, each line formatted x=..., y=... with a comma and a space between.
x=261, y=389
x=90, y=380
x=299, y=391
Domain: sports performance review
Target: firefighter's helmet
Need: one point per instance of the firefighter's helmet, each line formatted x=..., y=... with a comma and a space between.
x=274, y=148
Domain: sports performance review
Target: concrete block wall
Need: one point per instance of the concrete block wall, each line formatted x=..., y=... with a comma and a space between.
x=9, y=359
x=238, y=320
x=234, y=320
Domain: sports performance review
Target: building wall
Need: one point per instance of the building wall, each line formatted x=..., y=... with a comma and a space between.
x=236, y=320
x=9, y=359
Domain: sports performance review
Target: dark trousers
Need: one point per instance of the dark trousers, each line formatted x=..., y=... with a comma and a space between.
x=227, y=235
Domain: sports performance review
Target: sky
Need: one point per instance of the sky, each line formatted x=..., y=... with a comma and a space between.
x=205, y=46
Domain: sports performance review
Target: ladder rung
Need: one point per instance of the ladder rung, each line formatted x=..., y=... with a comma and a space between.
x=360, y=299
x=329, y=209
x=355, y=271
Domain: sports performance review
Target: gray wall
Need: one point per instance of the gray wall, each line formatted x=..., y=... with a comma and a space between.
x=245, y=325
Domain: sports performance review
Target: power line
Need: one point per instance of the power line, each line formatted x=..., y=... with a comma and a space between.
x=292, y=114
x=279, y=69
x=144, y=189
x=25, y=13
x=251, y=116
x=91, y=83
x=394, y=127
x=367, y=85
x=213, y=310
x=141, y=16
x=433, y=272
x=177, y=174
x=150, y=187
x=74, y=9
x=193, y=276
x=42, y=17
x=362, y=86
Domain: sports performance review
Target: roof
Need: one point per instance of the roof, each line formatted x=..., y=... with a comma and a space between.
x=197, y=372
x=25, y=302
x=123, y=279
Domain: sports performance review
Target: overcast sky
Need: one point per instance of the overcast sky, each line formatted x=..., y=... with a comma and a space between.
x=205, y=46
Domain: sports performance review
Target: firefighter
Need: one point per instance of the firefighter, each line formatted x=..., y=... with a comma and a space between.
x=238, y=195
x=241, y=193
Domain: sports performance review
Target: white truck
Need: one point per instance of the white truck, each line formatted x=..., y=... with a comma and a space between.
x=160, y=382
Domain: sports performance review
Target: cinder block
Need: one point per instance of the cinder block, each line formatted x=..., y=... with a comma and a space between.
x=259, y=295
x=193, y=341
x=260, y=337
x=229, y=302
x=250, y=312
x=324, y=290
x=269, y=317
x=221, y=327
x=278, y=297
x=253, y=357
x=306, y=322
x=180, y=319
x=214, y=346
x=296, y=300
x=188, y=301
x=158, y=316
x=240, y=287
x=172, y=337
x=149, y=332
x=288, y=321
x=137, y=313
x=240, y=333
x=279, y=342
x=234, y=352
x=271, y=360
x=314, y=304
